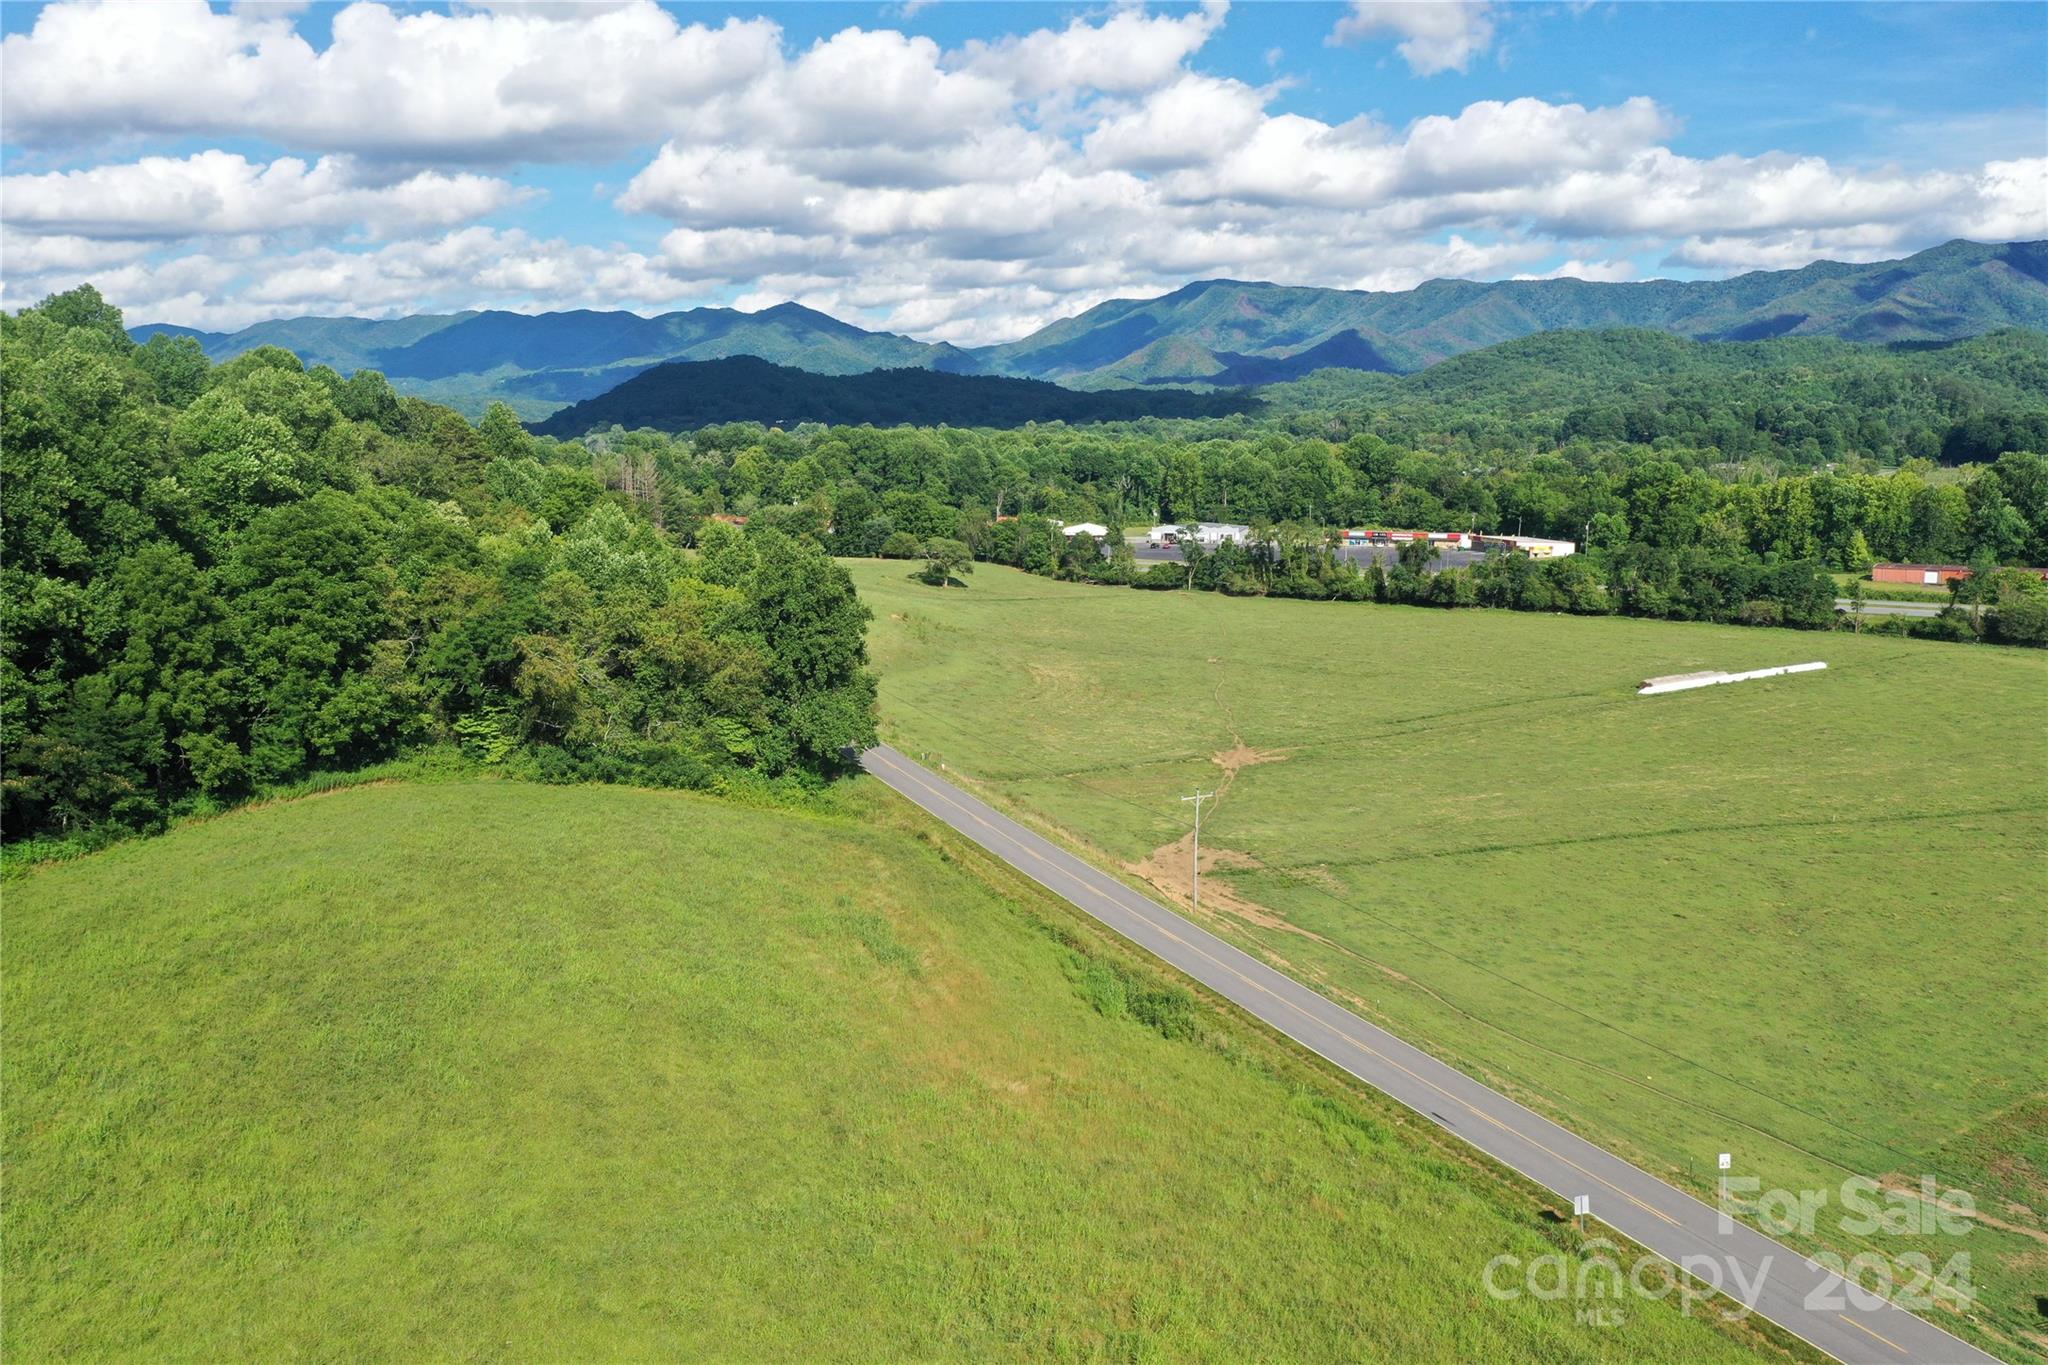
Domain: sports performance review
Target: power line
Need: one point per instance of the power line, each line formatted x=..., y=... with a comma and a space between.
x=1195, y=859
x=1504, y=1029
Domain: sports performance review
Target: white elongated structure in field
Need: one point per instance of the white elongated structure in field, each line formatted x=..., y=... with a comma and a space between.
x=1681, y=682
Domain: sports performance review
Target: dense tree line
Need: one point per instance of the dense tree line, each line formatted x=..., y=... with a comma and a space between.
x=868, y=484
x=219, y=578
x=1303, y=562
x=1668, y=530
x=2004, y=606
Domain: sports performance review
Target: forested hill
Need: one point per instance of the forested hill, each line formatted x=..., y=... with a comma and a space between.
x=218, y=579
x=1803, y=400
x=1224, y=331
x=688, y=395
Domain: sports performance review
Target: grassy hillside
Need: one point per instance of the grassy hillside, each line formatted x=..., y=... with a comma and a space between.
x=1803, y=921
x=491, y=1070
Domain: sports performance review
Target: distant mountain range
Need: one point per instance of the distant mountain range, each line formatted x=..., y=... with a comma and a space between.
x=686, y=395
x=541, y=361
x=1214, y=333
x=1224, y=331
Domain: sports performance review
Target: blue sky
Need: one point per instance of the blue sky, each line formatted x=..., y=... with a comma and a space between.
x=971, y=171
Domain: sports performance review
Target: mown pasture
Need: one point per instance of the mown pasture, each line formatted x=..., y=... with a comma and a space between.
x=1803, y=921
x=486, y=1070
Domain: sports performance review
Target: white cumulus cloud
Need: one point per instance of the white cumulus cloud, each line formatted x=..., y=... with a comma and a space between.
x=1129, y=50
x=965, y=194
x=215, y=193
x=1436, y=35
x=517, y=83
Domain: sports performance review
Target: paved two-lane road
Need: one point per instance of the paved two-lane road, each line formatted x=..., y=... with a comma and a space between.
x=1877, y=607
x=1776, y=1281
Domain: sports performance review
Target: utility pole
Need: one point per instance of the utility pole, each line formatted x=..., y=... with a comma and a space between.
x=1195, y=868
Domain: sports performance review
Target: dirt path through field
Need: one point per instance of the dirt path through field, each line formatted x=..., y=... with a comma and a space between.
x=1170, y=867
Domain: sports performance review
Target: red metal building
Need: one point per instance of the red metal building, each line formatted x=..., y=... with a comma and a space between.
x=1929, y=575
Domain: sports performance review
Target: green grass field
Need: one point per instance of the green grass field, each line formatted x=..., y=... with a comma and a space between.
x=1892, y=592
x=490, y=1070
x=1804, y=920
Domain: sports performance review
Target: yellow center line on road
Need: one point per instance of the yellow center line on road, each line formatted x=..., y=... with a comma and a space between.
x=1261, y=987
x=1867, y=1332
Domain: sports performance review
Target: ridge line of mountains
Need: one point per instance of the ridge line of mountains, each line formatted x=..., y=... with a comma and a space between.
x=1222, y=334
